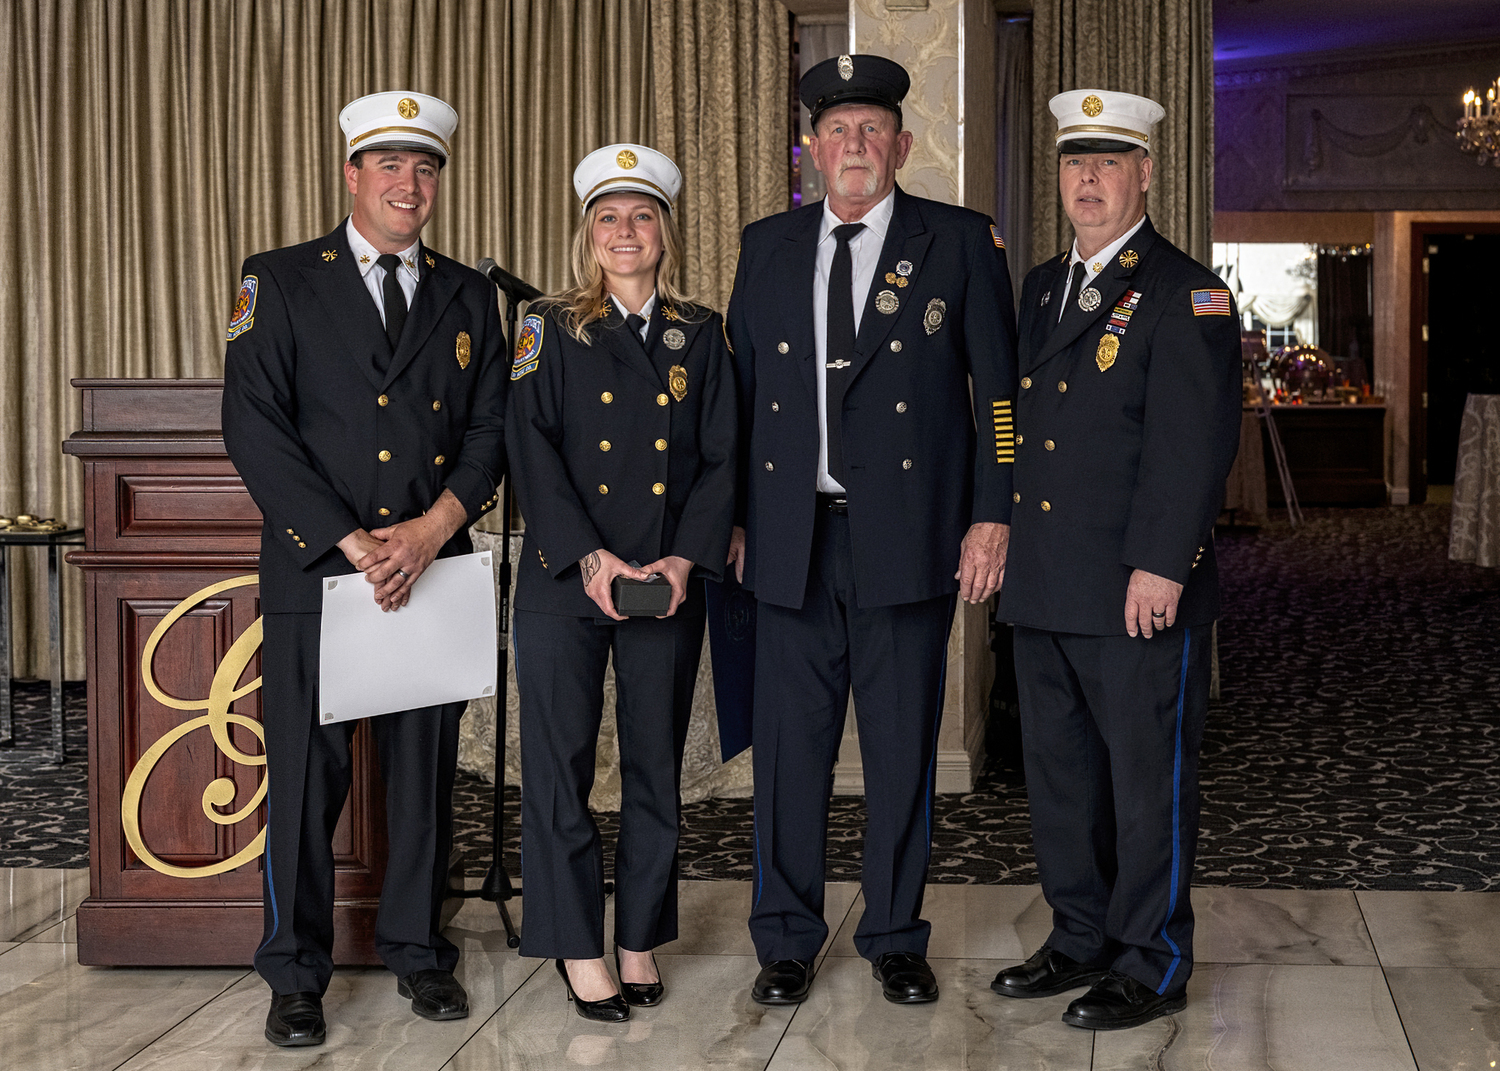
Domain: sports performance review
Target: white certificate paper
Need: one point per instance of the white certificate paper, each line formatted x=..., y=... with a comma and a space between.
x=438, y=648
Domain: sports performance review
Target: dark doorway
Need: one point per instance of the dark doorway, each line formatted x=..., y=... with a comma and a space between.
x=1463, y=354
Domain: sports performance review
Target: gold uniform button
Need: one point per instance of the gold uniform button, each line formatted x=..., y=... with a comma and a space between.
x=384, y=512
x=290, y=532
x=906, y=464
x=604, y=489
x=900, y=407
x=606, y=397
x=775, y=407
x=661, y=399
x=439, y=459
x=302, y=545
x=661, y=444
x=437, y=406
x=383, y=401
x=1025, y=381
x=1062, y=386
x=1046, y=507
x=1015, y=496
x=782, y=347
x=384, y=455
x=604, y=445
x=1050, y=445
x=1020, y=439
x=770, y=467
x=658, y=488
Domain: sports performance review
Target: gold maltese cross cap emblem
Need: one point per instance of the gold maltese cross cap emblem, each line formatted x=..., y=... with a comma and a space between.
x=407, y=108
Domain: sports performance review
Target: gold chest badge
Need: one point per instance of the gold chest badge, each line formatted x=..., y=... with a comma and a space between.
x=461, y=349
x=677, y=381
x=1109, y=349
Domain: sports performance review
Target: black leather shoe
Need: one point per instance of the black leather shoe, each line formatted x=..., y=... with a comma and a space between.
x=609, y=1010
x=435, y=994
x=1119, y=1001
x=1047, y=973
x=905, y=978
x=640, y=994
x=784, y=982
x=295, y=1019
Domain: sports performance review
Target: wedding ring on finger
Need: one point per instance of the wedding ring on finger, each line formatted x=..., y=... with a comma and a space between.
x=1158, y=616
x=403, y=574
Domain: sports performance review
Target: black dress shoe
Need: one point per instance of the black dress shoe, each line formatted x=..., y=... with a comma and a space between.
x=1119, y=1001
x=785, y=981
x=1047, y=973
x=295, y=1019
x=435, y=994
x=640, y=994
x=609, y=1010
x=905, y=978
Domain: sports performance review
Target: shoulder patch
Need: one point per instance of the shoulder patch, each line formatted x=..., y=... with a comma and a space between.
x=528, y=346
x=242, y=318
x=995, y=233
x=1210, y=302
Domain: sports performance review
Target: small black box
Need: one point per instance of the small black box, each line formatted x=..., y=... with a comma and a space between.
x=642, y=598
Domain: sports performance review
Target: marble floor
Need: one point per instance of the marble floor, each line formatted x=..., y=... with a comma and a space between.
x=1286, y=980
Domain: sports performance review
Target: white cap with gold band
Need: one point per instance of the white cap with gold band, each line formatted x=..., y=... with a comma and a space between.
x=1103, y=120
x=399, y=119
x=614, y=168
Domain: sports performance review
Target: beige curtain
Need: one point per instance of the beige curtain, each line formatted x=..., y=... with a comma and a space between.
x=157, y=143
x=1162, y=49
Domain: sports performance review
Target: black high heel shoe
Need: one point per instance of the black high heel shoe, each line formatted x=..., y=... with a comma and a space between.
x=609, y=1010
x=640, y=994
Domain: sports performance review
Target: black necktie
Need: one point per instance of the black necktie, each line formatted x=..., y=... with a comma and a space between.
x=395, y=300
x=1075, y=284
x=635, y=322
x=839, y=345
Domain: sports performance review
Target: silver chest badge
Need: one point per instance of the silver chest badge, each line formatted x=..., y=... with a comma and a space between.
x=932, y=319
x=886, y=301
x=674, y=338
x=1088, y=299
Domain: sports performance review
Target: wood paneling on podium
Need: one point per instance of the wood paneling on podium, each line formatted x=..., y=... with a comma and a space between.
x=166, y=517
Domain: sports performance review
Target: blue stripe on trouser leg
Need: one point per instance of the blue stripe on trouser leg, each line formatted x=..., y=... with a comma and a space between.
x=271, y=893
x=1187, y=644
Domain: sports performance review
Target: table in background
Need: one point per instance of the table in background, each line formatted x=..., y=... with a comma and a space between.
x=66, y=537
x=1475, y=534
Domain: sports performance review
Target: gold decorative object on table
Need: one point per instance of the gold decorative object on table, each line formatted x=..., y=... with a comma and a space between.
x=26, y=522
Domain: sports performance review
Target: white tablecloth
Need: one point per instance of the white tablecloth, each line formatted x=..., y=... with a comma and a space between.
x=1475, y=535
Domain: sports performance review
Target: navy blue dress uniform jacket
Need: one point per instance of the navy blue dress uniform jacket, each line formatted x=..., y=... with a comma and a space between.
x=1120, y=464
x=325, y=443
x=917, y=477
x=606, y=455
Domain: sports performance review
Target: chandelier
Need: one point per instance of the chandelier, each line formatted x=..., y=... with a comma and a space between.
x=1479, y=129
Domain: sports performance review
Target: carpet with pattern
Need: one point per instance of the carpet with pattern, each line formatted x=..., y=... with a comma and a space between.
x=1355, y=743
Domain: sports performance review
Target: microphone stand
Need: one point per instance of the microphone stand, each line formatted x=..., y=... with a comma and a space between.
x=497, y=887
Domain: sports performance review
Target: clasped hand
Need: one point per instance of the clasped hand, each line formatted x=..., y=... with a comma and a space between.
x=392, y=558
x=599, y=569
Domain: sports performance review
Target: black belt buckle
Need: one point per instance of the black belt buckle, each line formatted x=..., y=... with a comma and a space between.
x=834, y=503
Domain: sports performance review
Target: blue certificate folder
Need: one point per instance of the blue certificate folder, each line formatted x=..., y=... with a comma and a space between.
x=731, y=646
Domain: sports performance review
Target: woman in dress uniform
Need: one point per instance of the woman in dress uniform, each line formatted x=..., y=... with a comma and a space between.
x=621, y=429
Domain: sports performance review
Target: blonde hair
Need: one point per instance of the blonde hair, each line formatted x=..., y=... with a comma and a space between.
x=583, y=303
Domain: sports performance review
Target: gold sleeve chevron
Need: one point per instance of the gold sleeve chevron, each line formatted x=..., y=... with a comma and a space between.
x=1003, y=420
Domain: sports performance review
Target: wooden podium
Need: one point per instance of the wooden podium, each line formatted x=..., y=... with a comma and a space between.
x=171, y=546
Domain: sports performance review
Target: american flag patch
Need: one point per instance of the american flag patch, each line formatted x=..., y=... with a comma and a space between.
x=995, y=233
x=1210, y=302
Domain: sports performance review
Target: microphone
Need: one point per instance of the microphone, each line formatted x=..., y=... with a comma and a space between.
x=514, y=288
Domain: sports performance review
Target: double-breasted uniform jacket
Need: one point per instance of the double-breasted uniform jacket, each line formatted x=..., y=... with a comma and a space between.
x=327, y=444
x=620, y=445
x=939, y=313
x=1127, y=423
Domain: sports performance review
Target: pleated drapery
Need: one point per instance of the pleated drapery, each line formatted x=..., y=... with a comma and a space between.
x=1162, y=49
x=157, y=143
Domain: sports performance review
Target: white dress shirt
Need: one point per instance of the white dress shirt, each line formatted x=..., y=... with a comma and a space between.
x=864, y=249
x=1096, y=263
x=645, y=313
x=365, y=257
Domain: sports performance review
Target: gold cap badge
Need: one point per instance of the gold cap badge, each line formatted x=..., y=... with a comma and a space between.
x=1092, y=106
x=407, y=108
x=461, y=349
x=626, y=159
